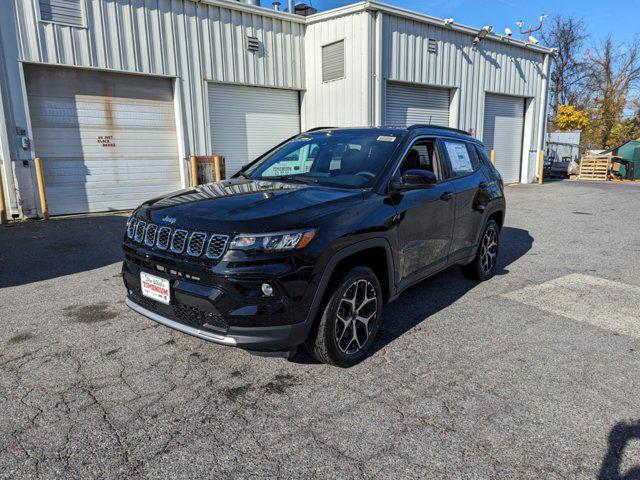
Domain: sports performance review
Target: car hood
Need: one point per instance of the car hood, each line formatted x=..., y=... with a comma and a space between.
x=247, y=205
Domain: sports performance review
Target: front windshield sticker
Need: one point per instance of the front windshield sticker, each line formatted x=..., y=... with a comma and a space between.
x=386, y=138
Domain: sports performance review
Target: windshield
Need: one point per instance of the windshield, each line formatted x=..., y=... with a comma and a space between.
x=344, y=159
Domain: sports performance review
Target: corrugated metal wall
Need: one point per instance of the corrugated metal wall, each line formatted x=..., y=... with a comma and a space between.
x=490, y=67
x=194, y=42
x=346, y=101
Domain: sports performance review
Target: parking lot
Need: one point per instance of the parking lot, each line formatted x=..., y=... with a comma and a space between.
x=534, y=374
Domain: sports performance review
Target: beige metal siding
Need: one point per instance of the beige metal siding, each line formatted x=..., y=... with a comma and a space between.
x=503, y=127
x=491, y=66
x=247, y=121
x=411, y=104
x=344, y=102
x=190, y=40
x=107, y=141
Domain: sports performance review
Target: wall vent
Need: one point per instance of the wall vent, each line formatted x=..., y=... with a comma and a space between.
x=253, y=44
x=67, y=12
x=333, y=61
x=432, y=45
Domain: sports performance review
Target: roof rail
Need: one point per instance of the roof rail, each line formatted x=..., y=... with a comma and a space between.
x=420, y=125
x=318, y=128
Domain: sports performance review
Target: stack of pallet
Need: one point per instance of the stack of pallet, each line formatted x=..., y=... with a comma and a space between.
x=595, y=167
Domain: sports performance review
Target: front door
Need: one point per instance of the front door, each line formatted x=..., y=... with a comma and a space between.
x=425, y=216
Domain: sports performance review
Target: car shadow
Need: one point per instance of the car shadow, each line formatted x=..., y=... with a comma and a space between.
x=34, y=251
x=619, y=437
x=441, y=290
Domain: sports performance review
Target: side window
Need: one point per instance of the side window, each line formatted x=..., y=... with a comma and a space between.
x=459, y=158
x=423, y=155
x=482, y=155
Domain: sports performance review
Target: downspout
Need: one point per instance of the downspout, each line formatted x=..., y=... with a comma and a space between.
x=544, y=95
x=377, y=74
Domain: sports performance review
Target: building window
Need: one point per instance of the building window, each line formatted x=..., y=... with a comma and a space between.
x=333, y=61
x=66, y=12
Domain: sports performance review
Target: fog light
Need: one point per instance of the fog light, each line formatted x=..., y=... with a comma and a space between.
x=267, y=290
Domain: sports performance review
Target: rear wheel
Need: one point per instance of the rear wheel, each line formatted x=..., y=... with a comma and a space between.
x=483, y=266
x=350, y=319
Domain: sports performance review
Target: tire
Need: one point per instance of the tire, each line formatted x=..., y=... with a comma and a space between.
x=483, y=266
x=333, y=341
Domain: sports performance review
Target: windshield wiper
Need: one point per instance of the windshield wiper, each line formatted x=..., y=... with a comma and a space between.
x=243, y=175
x=294, y=178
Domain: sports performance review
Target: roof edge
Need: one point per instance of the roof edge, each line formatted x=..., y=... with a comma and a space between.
x=374, y=5
x=245, y=7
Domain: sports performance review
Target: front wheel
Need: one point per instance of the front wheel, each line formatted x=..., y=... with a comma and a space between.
x=483, y=266
x=350, y=319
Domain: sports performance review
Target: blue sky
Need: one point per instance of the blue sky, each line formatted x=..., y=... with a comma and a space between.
x=619, y=17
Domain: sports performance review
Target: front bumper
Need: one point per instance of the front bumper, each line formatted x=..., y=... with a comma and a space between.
x=258, y=338
x=219, y=308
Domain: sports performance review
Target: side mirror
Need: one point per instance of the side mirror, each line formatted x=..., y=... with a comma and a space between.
x=415, y=179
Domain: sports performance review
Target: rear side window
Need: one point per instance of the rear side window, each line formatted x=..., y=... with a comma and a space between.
x=459, y=158
x=484, y=158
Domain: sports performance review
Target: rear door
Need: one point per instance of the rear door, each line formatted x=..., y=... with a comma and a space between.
x=469, y=183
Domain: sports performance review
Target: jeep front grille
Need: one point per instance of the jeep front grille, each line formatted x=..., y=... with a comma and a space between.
x=150, y=235
x=164, y=238
x=131, y=227
x=140, y=227
x=217, y=245
x=195, y=246
x=178, y=241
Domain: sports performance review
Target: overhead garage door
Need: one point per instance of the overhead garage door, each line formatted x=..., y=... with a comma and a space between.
x=411, y=104
x=247, y=121
x=107, y=141
x=503, y=129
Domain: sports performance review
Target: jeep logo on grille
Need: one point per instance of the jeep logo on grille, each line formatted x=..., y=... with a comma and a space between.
x=169, y=219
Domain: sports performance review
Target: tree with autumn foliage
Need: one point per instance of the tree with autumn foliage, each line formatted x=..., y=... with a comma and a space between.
x=591, y=88
x=570, y=118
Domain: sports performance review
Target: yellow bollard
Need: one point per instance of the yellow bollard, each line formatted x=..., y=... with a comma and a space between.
x=3, y=210
x=41, y=190
x=493, y=157
x=540, y=167
x=194, y=171
x=217, y=159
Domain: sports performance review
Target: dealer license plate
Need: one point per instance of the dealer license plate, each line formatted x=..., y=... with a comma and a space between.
x=155, y=288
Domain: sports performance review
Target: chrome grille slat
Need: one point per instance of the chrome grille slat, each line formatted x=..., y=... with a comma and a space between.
x=178, y=240
x=217, y=245
x=164, y=238
x=131, y=227
x=196, y=244
x=140, y=228
x=150, y=235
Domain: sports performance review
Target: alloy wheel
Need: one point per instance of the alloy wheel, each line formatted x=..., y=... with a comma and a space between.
x=356, y=316
x=489, y=250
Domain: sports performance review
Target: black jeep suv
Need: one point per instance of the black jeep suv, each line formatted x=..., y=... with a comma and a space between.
x=308, y=242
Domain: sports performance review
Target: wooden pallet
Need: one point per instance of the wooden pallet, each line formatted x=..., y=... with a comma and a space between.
x=594, y=168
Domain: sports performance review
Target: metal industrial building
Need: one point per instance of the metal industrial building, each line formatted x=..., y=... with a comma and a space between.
x=114, y=95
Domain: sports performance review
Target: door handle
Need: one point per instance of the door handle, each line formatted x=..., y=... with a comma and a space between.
x=446, y=196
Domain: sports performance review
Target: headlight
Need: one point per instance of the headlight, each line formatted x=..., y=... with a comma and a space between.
x=273, y=242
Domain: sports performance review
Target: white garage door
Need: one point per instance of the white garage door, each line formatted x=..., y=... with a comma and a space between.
x=411, y=104
x=247, y=121
x=503, y=129
x=107, y=141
